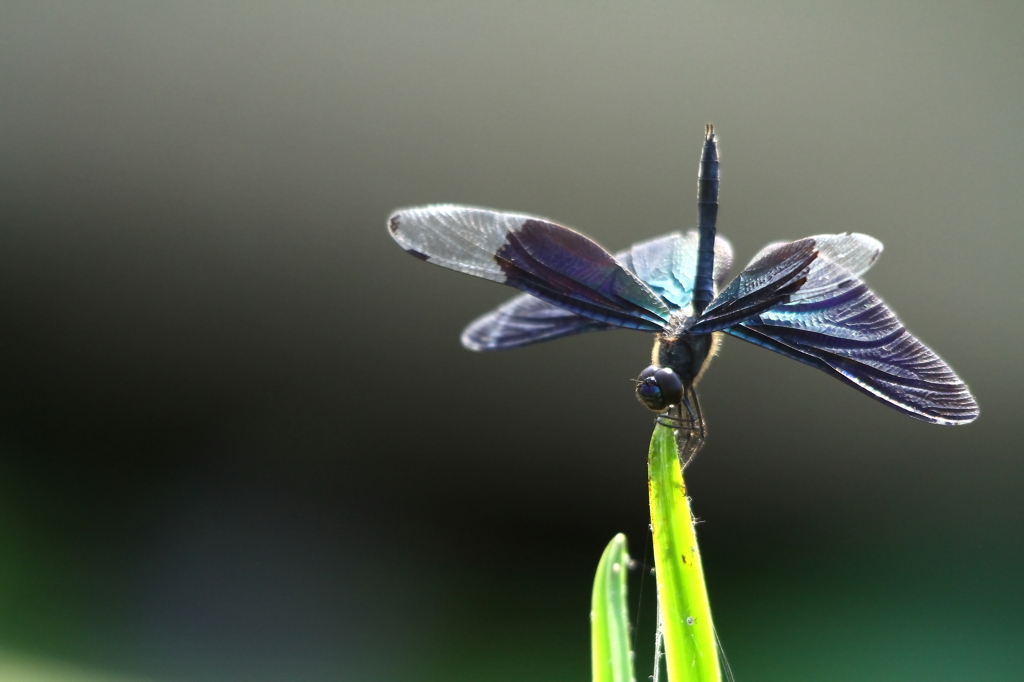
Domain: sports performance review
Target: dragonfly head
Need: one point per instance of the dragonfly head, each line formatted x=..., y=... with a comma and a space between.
x=658, y=388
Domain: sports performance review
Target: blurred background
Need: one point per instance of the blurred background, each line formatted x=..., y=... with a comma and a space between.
x=239, y=439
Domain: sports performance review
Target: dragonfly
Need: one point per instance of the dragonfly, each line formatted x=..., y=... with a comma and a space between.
x=803, y=299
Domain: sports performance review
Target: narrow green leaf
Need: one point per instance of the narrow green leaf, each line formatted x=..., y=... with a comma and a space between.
x=690, y=651
x=611, y=656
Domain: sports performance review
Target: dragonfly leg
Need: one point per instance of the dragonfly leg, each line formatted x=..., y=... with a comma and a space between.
x=687, y=421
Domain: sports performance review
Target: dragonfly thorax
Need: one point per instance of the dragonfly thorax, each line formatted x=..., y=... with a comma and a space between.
x=684, y=354
x=678, y=360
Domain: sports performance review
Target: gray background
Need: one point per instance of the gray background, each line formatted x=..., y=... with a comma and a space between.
x=239, y=439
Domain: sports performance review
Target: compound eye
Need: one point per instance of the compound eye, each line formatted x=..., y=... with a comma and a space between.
x=649, y=372
x=658, y=388
x=671, y=386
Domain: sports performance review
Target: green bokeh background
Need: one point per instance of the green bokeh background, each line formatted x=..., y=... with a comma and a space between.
x=239, y=439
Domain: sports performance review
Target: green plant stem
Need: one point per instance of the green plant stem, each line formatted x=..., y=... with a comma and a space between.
x=690, y=651
x=611, y=655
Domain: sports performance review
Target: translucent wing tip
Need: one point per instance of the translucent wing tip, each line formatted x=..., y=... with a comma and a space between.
x=400, y=217
x=470, y=342
x=394, y=220
x=965, y=413
x=868, y=244
x=853, y=251
x=868, y=241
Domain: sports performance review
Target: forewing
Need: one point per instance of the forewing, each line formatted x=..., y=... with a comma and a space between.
x=666, y=264
x=775, y=274
x=848, y=332
x=852, y=251
x=840, y=256
x=536, y=256
x=778, y=275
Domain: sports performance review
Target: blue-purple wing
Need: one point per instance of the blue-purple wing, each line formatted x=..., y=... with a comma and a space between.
x=666, y=264
x=524, y=320
x=790, y=271
x=536, y=256
x=835, y=323
x=771, y=279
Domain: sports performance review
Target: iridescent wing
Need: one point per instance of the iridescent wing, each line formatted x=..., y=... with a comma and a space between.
x=775, y=275
x=832, y=321
x=536, y=256
x=666, y=264
x=524, y=320
x=790, y=271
